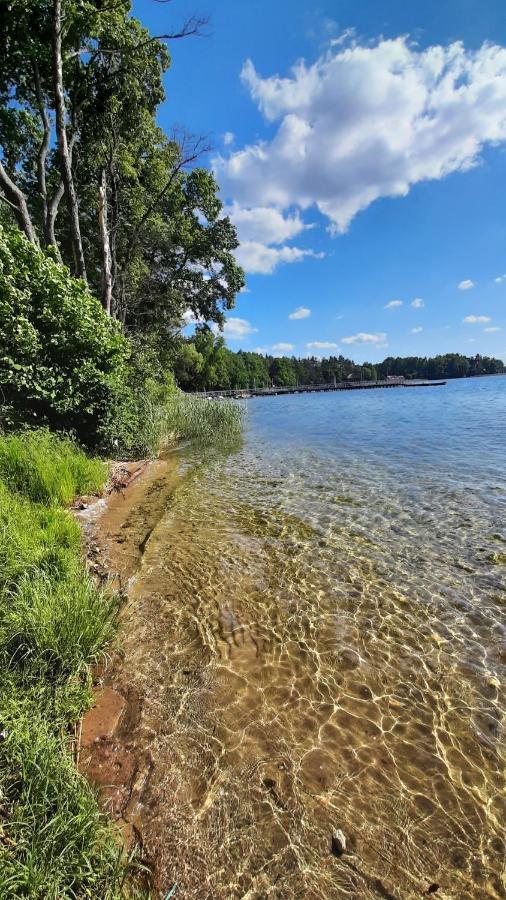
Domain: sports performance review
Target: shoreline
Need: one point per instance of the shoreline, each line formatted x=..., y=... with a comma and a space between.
x=116, y=529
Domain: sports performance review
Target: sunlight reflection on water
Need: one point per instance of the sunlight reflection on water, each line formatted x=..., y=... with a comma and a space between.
x=334, y=595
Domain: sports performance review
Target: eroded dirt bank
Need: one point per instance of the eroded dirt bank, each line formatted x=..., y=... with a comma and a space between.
x=116, y=751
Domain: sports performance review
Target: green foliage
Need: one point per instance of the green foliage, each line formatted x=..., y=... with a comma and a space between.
x=205, y=422
x=46, y=468
x=203, y=362
x=34, y=538
x=58, y=623
x=54, y=623
x=62, y=358
x=55, y=842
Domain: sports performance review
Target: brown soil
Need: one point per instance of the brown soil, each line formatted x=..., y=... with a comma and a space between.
x=112, y=754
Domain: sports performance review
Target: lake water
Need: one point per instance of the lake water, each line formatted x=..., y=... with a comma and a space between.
x=332, y=650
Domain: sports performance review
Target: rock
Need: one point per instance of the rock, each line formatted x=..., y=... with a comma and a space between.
x=100, y=722
x=349, y=658
x=338, y=843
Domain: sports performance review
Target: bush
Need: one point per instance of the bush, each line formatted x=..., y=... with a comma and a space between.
x=62, y=359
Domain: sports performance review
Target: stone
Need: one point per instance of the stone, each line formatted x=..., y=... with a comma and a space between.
x=338, y=843
x=100, y=722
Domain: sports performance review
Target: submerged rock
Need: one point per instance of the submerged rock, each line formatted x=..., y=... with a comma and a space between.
x=338, y=842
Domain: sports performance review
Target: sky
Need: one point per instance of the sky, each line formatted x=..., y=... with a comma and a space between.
x=360, y=148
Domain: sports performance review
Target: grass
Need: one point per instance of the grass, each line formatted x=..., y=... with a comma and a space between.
x=182, y=417
x=46, y=468
x=54, y=624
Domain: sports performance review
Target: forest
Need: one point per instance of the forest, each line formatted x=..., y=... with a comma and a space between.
x=203, y=362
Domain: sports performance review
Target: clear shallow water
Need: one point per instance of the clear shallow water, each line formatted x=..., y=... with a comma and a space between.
x=328, y=607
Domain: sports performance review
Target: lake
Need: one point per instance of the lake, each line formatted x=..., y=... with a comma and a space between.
x=326, y=608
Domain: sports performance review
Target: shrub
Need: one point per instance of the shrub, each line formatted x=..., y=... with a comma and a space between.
x=62, y=359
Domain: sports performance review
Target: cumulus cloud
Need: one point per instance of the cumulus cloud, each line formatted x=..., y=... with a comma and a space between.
x=417, y=303
x=283, y=347
x=500, y=279
x=466, y=284
x=321, y=345
x=228, y=138
x=259, y=259
x=302, y=312
x=367, y=121
x=235, y=329
x=362, y=337
x=264, y=223
x=417, y=330
x=491, y=329
x=476, y=320
x=393, y=304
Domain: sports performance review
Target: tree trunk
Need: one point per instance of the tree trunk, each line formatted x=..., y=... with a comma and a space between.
x=42, y=155
x=106, y=246
x=16, y=199
x=113, y=231
x=63, y=147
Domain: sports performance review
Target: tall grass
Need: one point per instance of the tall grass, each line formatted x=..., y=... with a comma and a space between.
x=54, y=623
x=47, y=468
x=182, y=417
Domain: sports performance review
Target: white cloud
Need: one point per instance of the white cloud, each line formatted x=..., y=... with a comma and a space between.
x=367, y=121
x=302, y=312
x=500, y=278
x=228, y=138
x=321, y=345
x=264, y=223
x=363, y=337
x=259, y=259
x=393, y=304
x=417, y=330
x=466, y=284
x=283, y=347
x=417, y=303
x=262, y=350
x=235, y=329
x=491, y=329
x=475, y=320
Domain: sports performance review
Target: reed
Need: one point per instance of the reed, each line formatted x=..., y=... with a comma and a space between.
x=182, y=417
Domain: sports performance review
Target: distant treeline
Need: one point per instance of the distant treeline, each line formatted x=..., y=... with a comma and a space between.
x=204, y=362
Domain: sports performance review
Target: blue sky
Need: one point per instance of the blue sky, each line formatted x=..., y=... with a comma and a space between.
x=373, y=171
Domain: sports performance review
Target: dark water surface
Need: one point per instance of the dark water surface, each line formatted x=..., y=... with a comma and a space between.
x=333, y=599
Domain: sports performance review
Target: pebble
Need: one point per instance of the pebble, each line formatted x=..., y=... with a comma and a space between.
x=338, y=842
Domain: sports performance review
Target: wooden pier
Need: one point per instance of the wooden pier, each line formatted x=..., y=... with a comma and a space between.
x=273, y=391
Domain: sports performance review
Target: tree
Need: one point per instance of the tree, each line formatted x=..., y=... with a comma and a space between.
x=80, y=85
